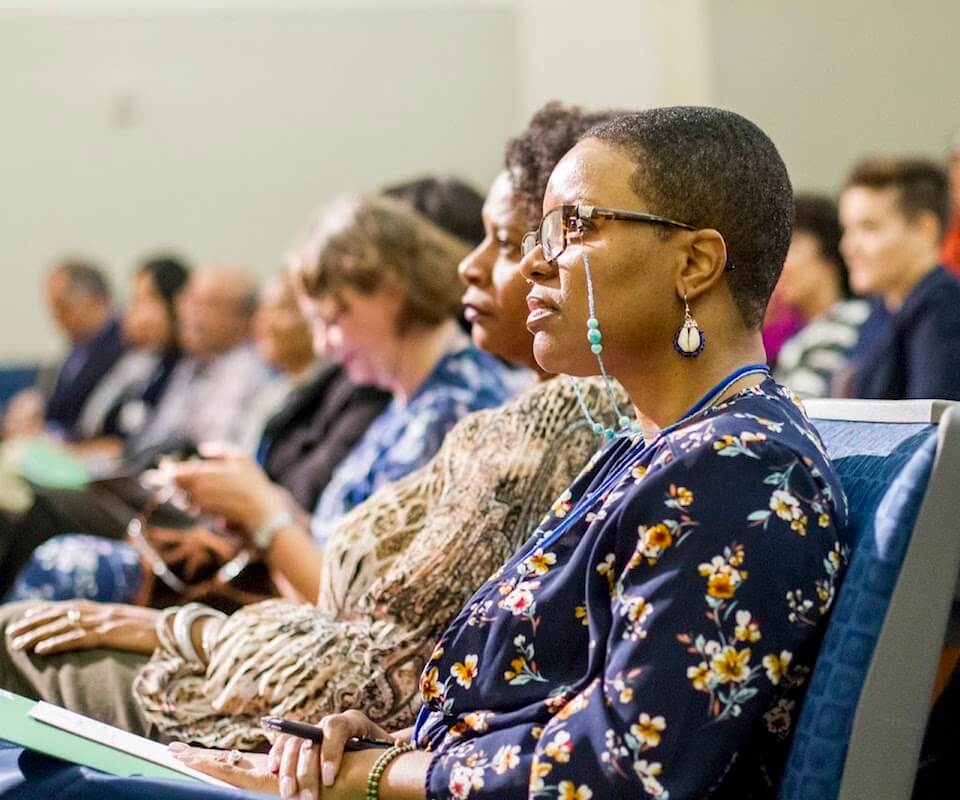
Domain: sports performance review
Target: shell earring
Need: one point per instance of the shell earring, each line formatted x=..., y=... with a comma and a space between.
x=689, y=341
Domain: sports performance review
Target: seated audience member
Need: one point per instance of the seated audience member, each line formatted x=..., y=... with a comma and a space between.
x=79, y=300
x=137, y=380
x=380, y=281
x=815, y=282
x=647, y=638
x=56, y=570
x=893, y=213
x=950, y=249
x=398, y=567
x=285, y=343
x=205, y=397
x=211, y=388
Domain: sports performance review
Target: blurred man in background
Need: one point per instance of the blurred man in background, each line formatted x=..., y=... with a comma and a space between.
x=894, y=213
x=79, y=300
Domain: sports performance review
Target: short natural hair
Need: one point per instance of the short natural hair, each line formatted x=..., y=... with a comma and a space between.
x=449, y=202
x=532, y=154
x=816, y=215
x=357, y=240
x=921, y=184
x=85, y=276
x=712, y=168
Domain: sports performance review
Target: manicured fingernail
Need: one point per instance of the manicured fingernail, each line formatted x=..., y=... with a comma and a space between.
x=307, y=744
x=177, y=746
x=329, y=774
x=18, y=644
x=307, y=794
x=273, y=763
x=288, y=787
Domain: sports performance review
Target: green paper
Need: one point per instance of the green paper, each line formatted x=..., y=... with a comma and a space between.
x=48, y=464
x=18, y=727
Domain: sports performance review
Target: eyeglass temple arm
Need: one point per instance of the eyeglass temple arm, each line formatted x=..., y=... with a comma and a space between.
x=593, y=212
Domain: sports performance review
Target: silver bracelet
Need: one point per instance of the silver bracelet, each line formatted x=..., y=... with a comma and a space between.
x=167, y=642
x=183, y=629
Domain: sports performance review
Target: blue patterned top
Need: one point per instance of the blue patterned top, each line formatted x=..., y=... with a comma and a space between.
x=406, y=436
x=659, y=647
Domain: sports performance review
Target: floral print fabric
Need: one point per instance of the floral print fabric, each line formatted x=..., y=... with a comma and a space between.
x=405, y=437
x=660, y=647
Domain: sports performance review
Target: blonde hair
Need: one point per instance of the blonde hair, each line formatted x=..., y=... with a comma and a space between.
x=357, y=240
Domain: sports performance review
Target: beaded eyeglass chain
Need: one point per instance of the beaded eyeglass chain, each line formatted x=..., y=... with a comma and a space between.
x=626, y=426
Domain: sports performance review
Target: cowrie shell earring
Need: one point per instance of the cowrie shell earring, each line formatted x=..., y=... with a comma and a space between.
x=689, y=341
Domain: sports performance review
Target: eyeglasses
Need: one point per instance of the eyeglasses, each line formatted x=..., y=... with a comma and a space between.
x=551, y=235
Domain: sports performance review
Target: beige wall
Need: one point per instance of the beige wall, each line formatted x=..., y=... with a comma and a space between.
x=214, y=126
x=833, y=80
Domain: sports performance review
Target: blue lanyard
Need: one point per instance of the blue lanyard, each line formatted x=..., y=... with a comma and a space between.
x=582, y=507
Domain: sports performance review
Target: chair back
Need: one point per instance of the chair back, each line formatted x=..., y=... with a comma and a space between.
x=862, y=722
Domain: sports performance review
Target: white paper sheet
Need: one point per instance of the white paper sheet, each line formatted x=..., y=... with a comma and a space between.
x=116, y=738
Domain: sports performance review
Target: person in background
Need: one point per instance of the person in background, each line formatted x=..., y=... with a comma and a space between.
x=893, y=212
x=815, y=282
x=378, y=281
x=392, y=322
x=205, y=397
x=284, y=342
x=212, y=387
x=950, y=249
x=133, y=386
x=80, y=303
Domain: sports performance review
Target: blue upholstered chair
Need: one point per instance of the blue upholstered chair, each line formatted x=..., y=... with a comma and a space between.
x=860, y=730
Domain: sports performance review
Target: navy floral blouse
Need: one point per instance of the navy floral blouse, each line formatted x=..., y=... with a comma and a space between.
x=660, y=647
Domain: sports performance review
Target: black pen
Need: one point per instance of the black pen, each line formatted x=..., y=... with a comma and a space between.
x=315, y=734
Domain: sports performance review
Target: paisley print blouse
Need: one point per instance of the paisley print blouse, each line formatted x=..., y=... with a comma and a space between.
x=660, y=646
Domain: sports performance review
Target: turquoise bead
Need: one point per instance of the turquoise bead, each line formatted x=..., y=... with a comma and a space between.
x=593, y=323
x=608, y=433
x=596, y=349
x=594, y=336
x=624, y=422
x=597, y=428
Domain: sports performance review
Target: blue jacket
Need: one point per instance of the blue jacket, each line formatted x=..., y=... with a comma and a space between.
x=915, y=352
x=82, y=370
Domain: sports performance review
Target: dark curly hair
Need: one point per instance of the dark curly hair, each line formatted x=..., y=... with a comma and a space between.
x=532, y=155
x=713, y=168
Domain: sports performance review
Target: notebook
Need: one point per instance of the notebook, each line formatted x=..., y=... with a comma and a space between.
x=73, y=737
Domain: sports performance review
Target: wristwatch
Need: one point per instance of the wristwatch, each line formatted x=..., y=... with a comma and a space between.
x=263, y=536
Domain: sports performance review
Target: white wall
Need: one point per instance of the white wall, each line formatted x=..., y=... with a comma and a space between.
x=834, y=80
x=215, y=125
x=217, y=134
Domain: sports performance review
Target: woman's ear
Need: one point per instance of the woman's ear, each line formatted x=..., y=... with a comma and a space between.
x=705, y=263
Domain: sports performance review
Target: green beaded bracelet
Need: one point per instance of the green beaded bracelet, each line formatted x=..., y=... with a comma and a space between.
x=380, y=766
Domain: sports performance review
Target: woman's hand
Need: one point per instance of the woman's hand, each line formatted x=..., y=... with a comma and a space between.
x=251, y=771
x=232, y=486
x=50, y=628
x=302, y=765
